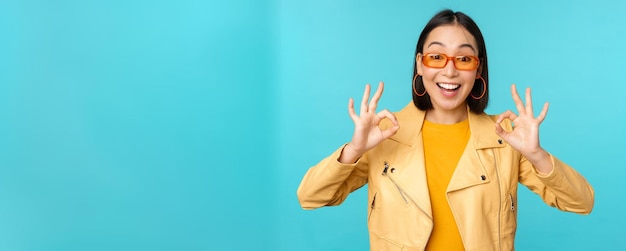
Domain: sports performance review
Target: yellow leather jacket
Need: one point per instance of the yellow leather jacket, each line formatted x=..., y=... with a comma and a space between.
x=482, y=192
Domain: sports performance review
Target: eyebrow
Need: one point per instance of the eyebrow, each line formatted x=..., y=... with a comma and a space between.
x=460, y=46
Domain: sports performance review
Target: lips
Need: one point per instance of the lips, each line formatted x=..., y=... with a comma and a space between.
x=449, y=86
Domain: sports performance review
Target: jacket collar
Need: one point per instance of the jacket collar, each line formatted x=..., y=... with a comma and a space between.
x=482, y=127
x=470, y=170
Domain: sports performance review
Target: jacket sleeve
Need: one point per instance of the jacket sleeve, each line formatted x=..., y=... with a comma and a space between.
x=563, y=188
x=329, y=182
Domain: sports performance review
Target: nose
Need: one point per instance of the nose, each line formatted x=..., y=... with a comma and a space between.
x=449, y=70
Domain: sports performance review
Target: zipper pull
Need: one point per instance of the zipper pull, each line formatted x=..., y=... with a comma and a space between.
x=386, y=167
x=512, y=202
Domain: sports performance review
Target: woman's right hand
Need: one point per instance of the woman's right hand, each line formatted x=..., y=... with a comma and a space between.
x=367, y=133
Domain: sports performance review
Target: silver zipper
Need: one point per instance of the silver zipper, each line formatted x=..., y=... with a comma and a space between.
x=373, y=202
x=512, y=203
x=400, y=190
x=369, y=216
x=404, y=195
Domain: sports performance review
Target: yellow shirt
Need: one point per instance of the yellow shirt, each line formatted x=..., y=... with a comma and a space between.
x=443, y=146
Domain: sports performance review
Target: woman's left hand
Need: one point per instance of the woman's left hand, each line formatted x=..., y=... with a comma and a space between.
x=525, y=134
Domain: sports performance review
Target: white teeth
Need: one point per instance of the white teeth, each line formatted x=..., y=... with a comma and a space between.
x=448, y=86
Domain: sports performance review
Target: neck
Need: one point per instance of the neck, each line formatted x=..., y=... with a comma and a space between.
x=447, y=117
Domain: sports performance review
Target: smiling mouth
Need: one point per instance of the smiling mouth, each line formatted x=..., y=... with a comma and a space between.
x=448, y=86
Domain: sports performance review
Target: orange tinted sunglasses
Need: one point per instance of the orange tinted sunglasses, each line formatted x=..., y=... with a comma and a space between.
x=461, y=62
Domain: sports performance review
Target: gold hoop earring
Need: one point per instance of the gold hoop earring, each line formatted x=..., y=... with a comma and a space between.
x=415, y=91
x=484, y=89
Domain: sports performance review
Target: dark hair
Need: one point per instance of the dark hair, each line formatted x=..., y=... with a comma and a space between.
x=447, y=17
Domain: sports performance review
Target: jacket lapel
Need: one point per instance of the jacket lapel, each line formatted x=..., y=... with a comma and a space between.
x=413, y=176
x=476, y=159
x=470, y=171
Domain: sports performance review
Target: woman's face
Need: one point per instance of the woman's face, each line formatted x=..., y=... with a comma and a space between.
x=448, y=87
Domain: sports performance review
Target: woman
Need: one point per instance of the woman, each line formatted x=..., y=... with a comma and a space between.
x=442, y=174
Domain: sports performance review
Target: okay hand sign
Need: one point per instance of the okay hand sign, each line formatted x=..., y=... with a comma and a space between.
x=367, y=133
x=525, y=135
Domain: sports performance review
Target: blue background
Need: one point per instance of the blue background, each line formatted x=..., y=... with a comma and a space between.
x=187, y=125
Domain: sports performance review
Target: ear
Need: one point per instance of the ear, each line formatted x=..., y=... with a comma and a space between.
x=418, y=64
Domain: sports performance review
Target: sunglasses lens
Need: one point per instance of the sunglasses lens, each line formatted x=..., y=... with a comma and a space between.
x=435, y=60
x=465, y=62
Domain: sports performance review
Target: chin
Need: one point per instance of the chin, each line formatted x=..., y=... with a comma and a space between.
x=450, y=105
